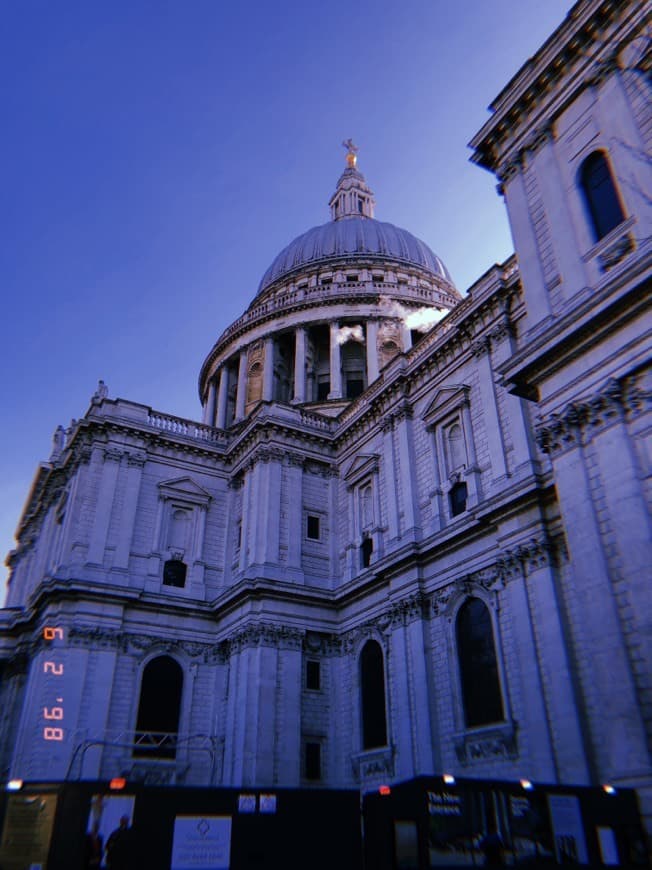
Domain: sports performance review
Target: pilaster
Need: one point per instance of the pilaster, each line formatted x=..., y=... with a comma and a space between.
x=335, y=363
x=109, y=457
x=300, y=365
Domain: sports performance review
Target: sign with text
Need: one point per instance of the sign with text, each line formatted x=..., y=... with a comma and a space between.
x=27, y=830
x=201, y=843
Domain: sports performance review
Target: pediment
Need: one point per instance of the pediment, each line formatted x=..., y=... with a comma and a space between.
x=184, y=488
x=445, y=400
x=362, y=466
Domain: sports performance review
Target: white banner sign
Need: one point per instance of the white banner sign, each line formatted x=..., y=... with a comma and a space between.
x=201, y=843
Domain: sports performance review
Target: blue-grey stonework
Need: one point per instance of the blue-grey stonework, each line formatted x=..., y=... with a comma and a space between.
x=377, y=455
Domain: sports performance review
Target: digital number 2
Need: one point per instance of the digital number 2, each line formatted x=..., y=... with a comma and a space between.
x=52, y=668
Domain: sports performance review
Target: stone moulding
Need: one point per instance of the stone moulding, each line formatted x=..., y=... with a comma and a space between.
x=373, y=763
x=617, y=400
x=486, y=744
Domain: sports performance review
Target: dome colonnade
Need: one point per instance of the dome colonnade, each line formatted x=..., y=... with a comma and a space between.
x=336, y=305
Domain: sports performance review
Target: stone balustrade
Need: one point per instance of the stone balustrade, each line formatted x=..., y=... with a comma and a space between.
x=186, y=428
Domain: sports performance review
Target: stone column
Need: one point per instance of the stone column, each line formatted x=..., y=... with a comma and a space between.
x=406, y=338
x=197, y=551
x=295, y=516
x=110, y=459
x=241, y=395
x=410, y=526
x=268, y=371
x=555, y=199
x=300, y=365
x=135, y=463
x=486, y=386
x=537, y=300
x=390, y=469
x=435, y=495
x=553, y=660
x=222, y=397
x=336, y=363
x=371, y=329
x=245, y=528
x=209, y=407
x=503, y=346
x=533, y=708
x=616, y=726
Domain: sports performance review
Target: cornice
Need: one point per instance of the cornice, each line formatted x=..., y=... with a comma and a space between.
x=574, y=57
x=579, y=421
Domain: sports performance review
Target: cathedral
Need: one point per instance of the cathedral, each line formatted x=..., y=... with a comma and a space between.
x=409, y=532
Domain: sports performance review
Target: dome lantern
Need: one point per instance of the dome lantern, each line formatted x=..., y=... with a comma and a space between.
x=353, y=197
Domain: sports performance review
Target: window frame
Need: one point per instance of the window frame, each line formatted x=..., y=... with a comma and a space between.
x=596, y=216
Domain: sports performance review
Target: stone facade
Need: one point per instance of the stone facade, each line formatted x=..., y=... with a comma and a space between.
x=356, y=484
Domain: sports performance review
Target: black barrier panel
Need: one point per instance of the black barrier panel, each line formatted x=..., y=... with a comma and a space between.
x=426, y=823
x=286, y=828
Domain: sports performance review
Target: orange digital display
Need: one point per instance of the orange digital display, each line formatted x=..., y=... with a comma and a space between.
x=54, y=712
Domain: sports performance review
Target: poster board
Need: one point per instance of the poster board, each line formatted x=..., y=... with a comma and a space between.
x=568, y=829
x=201, y=843
x=27, y=831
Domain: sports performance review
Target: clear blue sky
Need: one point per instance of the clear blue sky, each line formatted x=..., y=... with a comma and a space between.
x=157, y=154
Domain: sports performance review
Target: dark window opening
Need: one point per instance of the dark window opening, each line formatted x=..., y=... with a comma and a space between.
x=483, y=703
x=372, y=686
x=313, y=675
x=360, y=204
x=354, y=387
x=313, y=761
x=174, y=573
x=600, y=195
x=323, y=389
x=326, y=281
x=312, y=528
x=457, y=497
x=416, y=336
x=366, y=549
x=157, y=724
x=351, y=279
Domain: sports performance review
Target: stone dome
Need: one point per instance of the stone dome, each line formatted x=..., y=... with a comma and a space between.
x=351, y=238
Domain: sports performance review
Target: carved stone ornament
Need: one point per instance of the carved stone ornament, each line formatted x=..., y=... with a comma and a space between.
x=580, y=419
x=373, y=763
x=615, y=252
x=487, y=744
x=266, y=634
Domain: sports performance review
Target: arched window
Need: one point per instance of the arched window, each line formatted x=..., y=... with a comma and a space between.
x=353, y=369
x=366, y=508
x=159, y=709
x=254, y=385
x=178, y=530
x=600, y=194
x=456, y=449
x=372, y=692
x=174, y=573
x=481, y=695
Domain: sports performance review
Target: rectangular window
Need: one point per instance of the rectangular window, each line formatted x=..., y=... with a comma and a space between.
x=238, y=535
x=313, y=675
x=351, y=279
x=313, y=761
x=312, y=527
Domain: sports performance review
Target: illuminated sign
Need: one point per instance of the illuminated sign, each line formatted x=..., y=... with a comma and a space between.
x=53, y=711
